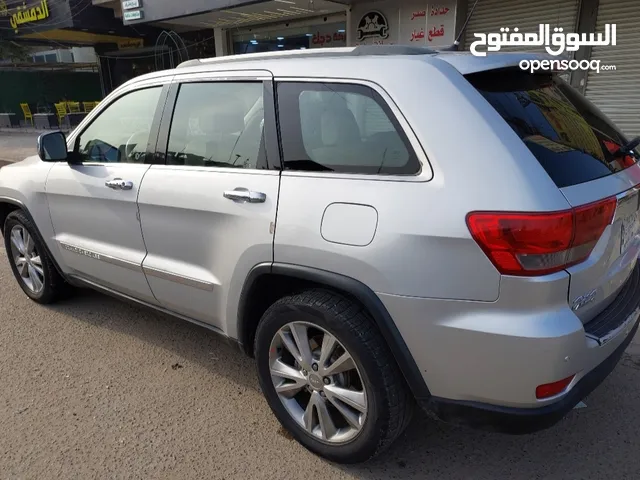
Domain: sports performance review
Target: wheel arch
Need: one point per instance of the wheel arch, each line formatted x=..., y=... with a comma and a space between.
x=307, y=277
x=9, y=205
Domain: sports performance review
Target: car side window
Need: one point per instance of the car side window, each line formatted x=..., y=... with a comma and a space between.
x=218, y=124
x=120, y=133
x=344, y=128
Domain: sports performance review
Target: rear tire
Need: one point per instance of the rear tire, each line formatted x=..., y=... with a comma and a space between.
x=385, y=400
x=30, y=261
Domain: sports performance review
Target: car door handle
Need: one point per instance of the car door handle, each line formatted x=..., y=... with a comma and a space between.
x=119, y=184
x=245, y=195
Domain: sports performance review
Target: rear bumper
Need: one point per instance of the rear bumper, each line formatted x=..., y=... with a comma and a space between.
x=483, y=361
x=525, y=420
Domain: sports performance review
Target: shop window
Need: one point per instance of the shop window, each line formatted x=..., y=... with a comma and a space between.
x=121, y=132
x=322, y=35
x=341, y=128
x=218, y=124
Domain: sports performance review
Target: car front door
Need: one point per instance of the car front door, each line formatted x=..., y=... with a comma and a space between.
x=92, y=199
x=208, y=214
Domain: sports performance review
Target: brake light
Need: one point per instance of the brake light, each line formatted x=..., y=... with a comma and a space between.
x=530, y=244
x=552, y=389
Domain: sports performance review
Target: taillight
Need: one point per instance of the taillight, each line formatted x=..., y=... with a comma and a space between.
x=528, y=244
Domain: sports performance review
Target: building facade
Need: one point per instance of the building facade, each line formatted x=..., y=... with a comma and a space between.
x=245, y=26
x=79, y=31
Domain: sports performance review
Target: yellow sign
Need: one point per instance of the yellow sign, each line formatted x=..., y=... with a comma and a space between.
x=130, y=43
x=27, y=15
x=4, y=12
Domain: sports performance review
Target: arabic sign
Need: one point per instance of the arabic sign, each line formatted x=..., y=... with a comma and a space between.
x=4, y=12
x=130, y=43
x=25, y=14
x=435, y=32
x=423, y=23
x=373, y=25
x=439, y=10
x=418, y=14
x=328, y=37
x=441, y=24
x=569, y=42
x=413, y=22
x=409, y=22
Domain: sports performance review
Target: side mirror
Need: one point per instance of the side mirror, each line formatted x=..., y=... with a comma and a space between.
x=52, y=147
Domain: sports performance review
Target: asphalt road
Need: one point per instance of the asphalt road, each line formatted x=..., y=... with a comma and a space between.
x=17, y=144
x=95, y=388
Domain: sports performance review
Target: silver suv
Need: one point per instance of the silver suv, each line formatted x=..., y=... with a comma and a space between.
x=377, y=226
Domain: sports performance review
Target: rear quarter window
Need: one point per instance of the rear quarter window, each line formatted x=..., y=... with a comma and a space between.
x=345, y=128
x=573, y=141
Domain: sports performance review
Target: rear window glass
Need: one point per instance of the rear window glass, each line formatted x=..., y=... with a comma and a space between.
x=573, y=141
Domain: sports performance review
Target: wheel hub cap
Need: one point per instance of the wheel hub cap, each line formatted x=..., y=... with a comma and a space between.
x=318, y=382
x=315, y=382
x=27, y=259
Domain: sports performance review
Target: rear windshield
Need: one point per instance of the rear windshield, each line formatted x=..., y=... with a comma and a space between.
x=573, y=141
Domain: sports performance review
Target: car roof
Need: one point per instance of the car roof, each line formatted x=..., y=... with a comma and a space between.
x=346, y=62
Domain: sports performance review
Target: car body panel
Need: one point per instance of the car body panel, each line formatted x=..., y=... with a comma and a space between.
x=23, y=183
x=201, y=245
x=429, y=241
x=204, y=237
x=96, y=227
x=608, y=267
x=498, y=353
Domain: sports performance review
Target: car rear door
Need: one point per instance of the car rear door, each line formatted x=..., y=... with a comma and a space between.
x=580, y=150
x=92, y=201
x=208, y=214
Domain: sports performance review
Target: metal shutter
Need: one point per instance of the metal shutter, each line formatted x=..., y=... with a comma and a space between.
x=490, y=15
x=617, y=93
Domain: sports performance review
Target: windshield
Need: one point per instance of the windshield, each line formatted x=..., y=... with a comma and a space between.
x=573, y=141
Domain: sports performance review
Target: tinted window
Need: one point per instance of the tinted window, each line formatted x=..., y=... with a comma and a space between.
x=573, y=141
x=218, y=125
x=120, y=133
x=341, y=128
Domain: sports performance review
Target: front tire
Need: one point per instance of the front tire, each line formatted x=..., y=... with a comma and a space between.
x=30, y=261
x=329, y=376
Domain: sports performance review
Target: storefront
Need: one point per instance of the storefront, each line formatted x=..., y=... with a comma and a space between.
x=326, y=31
x=617, y=92
x=251, y=26
x=68, y=23
x=409, y=22
x=246, y=26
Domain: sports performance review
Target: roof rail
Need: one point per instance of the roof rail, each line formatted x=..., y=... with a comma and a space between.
x=454, y=47
x=363, y=50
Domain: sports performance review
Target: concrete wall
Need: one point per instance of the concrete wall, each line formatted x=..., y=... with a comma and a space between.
x=84, y=55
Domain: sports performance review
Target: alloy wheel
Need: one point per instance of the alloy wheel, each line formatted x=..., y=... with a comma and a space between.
x=318, y=382
x=27, y=259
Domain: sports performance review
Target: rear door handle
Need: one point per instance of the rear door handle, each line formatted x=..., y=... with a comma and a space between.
x=244, y=195
x=119, y=184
